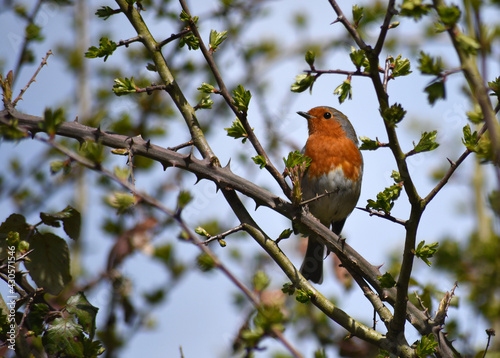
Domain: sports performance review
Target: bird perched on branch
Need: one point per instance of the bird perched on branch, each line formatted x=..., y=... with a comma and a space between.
x=334, y=177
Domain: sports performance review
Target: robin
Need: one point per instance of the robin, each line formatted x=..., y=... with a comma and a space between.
x=334, y=177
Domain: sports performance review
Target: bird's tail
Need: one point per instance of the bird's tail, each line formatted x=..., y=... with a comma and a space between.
x=312, y=266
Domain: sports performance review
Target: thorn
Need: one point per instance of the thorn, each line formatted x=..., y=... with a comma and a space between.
x=131, y=142
x=148, y=144
x=452, y=163
x=198, y=179
x=189, y=157
x=97, y=133
x=337, y=20
x=228, y=165
x=76, y=119
x=165, y=165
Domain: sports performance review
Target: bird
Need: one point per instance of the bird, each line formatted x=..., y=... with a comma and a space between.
x=332, y=182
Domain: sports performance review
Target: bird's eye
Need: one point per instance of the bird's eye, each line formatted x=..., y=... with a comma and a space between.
x=327, y=115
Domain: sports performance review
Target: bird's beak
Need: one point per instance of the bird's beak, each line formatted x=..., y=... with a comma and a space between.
x=304, y=114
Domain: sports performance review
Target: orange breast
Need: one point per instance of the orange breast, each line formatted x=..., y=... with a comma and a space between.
x=329, y=152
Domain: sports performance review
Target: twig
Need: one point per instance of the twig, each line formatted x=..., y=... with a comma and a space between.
x=129, y=41
x=391, y=11
x=339, y=72
x=349, y=27
x=241, y=116
x=33, y=79
x=383, y=215
x=490, y=332
x=180, y=146
x=173, y=37
x=223, y=234
x=150, y=89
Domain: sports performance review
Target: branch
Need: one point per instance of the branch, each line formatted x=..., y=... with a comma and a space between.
x=383, y=215
x=241, y=116
x=391, y=11
x=129, y=41
x=174, y=37
x=339, y=72
x=349, y=27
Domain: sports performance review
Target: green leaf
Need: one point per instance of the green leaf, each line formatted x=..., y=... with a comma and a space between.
x=183, y=199
x=426, y=143
x=467, y=43
x=386, y=280
x=205, y=262
x=33, y=32
x=288, y=288
x=470, y=138
x=414, y=8
x=216, y=38
x=393, y=114
x=85, y=313
x=105, y=49
x=430, y=65
x=15, y=223
x=448, y=15
x=49, y=262
x=310, y=57
x=189, y=40
x=285, y=234
x=124, y=86
x=344, y=90
x=358, y=57
x=70, y=218
x=435, y=90
x=120, y=201
x=296, y=158
x=260, y=281
x=106, y=12
x=237, y=131
x=400, y=66
x=368, y=144
x=207, y=88
x=260, y=161
x=302, y=82
x=36, y=317
x=426, y=346
x=241, y=98
x=495, y=87
x=12, y=131
x=63, y=337
x=205, y=103
x=424, y=252
x=357, y=14
x=52, y=120
x=385, y=199
x=303, y=296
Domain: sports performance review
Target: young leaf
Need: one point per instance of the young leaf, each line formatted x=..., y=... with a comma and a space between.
x=216, y=38
x=260, y=161
x=467, y=43
x=51, y=121
x=357, y=14
x=285, y=234
x=206, y=88
x=120, y=201
x=303, y=296
x=205, y=103
x=205, y=262
x=430, y=65
x=105, y=49
x=386, y=280
x=385, y=199
x=302, y=82
x=241, y=98
x=310, y=57
x=426, y=143
x=183, y=199
x=414, y=8
x=49, y=262
x=401, y=67
x=470, y=138
x=448, y=15
x=64, y=337
x=106, y=12
x=344, y=90
x=435, y=90
x=424, y=252
x=237, y=131
x=358, y=57
x=296, y=158
x=368, y=144
x=124, y=86
x=393, y=114
x=260, y=281
x=427, y=346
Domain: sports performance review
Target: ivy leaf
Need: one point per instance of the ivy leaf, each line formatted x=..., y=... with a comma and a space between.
x=70, y=218
x=393, y=114
x=430, y=65
x=216, y=38
x=424, y=252
x=241, y=98
x=426, y=143
x=105, y=49
x=49, y=262
x=386, y=280
x=302, y=82
x=435, y=90
x=344, y=90
x=260, y=161
x=51, y=121
x=237, y=131
x=124, y=86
